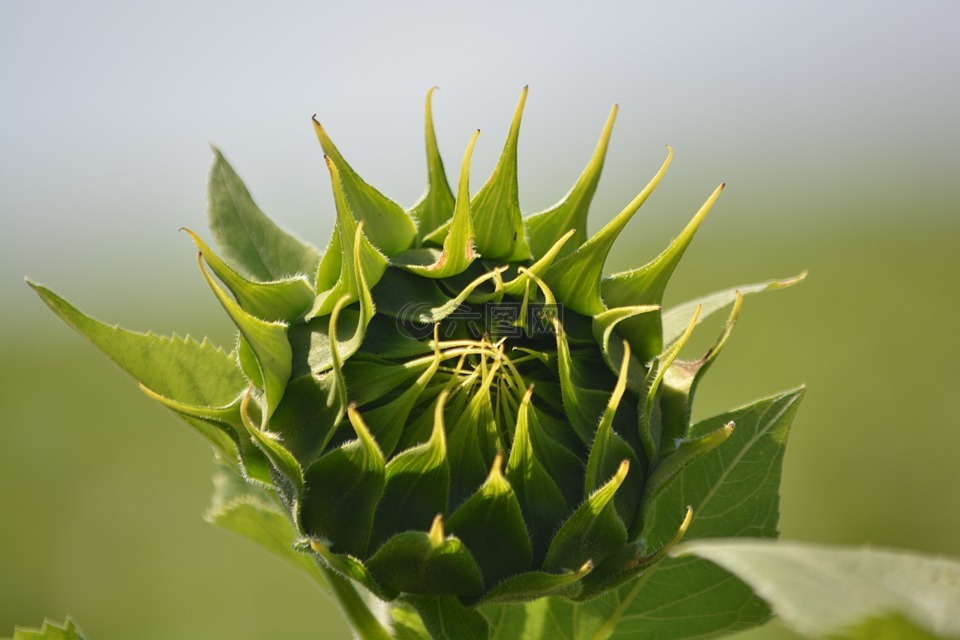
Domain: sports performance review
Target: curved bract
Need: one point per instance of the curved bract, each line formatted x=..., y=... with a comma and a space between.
x=453, y=404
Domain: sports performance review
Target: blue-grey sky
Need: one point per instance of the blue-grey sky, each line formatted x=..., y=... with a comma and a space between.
x=108, y=106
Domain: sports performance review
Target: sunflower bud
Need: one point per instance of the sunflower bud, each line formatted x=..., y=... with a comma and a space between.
x=451, y=401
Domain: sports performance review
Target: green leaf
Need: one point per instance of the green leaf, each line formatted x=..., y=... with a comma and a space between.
x=675, y=319
x=417, y=485
x=506, y=621
x=435, y=206
x=247, y=237
x=844, y=592
x=179, y=368
x=546, y=228
x=495, y=209
x=646, y=285
x=676, y=600
x=194, y=373
x=445, y=618
x=344, y=488
x=708, y=600
x=491, y=525
x=388, y=226
x=576, y=279
x=281, y=300
x=458, y=252
x=686, y=452
x=50, y=631
x=733, y=489
x=421, y=563
x=593, y=532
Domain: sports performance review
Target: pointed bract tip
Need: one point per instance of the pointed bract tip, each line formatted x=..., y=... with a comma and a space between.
x=437, y=534
x=586, y=568
x=687, y=519
x=244, y=405
x=520, y=103
x=193, y=236
x=469, y=152
x=496, y=469
x=319, y=130
x=623, y=469
x=438, y=411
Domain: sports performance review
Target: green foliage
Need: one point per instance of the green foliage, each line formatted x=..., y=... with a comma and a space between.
x=845, y=593
x=250, y=239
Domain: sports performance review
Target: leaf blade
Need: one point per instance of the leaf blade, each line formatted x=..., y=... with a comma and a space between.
x=247, y=237
x=819, y=590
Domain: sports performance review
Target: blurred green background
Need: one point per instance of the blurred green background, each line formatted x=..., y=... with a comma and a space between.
x=834, y=126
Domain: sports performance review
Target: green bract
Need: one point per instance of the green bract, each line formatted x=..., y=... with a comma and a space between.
x=453, y=405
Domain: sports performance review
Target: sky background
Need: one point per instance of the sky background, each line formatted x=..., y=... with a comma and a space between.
x=833, y=123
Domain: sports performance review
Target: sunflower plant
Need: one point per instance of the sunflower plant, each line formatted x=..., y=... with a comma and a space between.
x=456, y=422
